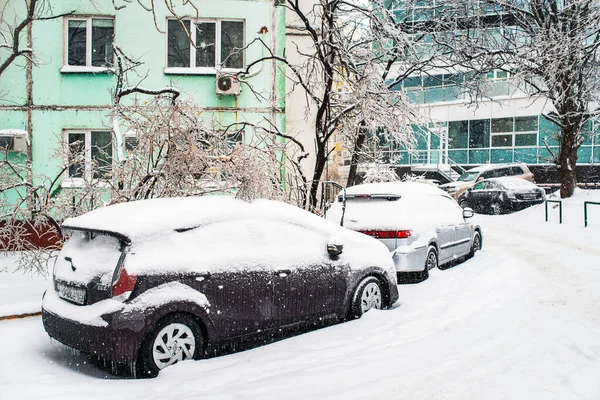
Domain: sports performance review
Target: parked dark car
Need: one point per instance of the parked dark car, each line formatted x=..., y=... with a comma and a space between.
x=155, y=282
x=502, y=195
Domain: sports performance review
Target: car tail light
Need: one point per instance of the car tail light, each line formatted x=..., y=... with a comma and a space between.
x=124, y=285
x=387, y=234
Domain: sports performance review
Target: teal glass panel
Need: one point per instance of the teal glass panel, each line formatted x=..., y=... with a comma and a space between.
x=502, y=141
x=434, y=141
x=434, y=95
x=479, y=133
x=587, y=133
x=452, y=93
x=403, y=158
x=526, y=155
x=413, y=81
x=479, y=156
x=584, y=155
x=433, y=80
x=498, y=88
x=526, y=124
x=415, y=96
x=596, y=155
x=502, y=156
x=548, y=131
x=458, y=156
x=525, y=139
x=545, y=156
x=500, y=125
x=458, y=134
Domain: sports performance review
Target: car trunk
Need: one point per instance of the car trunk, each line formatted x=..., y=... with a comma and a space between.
x=88, y=265
x=380, y=216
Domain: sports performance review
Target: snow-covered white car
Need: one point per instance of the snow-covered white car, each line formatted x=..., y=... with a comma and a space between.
x=422, y=226
x=154, y=282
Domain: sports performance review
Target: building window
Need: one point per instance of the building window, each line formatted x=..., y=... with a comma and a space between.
x=88, y=43
x=514, y=132
x=203, y=45
x=89, y=154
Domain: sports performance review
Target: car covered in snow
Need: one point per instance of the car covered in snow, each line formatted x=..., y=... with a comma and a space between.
x=502, y=195
x=422, y=226
x=474, y=175
x=154, y=282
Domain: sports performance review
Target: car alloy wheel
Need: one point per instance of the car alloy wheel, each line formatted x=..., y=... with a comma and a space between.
x=175, y=338
x=175, y=342
x=368, y=294
x=431, y=261
x=371, y=297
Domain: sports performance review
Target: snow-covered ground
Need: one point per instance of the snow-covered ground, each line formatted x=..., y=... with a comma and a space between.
x=521, y=320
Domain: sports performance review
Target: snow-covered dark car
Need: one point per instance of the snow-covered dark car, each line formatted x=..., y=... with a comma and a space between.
x=154, y=282
x=422, y=226
x=502, y=195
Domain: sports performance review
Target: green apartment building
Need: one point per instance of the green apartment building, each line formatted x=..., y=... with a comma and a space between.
x=64, y=96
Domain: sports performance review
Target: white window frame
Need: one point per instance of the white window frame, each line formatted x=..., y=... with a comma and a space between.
x=69, y=181
x=203, y=70
x=88, y=44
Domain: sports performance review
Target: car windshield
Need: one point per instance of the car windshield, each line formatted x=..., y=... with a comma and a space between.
x=468, y=176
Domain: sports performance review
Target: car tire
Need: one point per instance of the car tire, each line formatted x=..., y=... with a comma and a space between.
x=178, y=334
x=476, y=244
x=463, y=203
x=368, y=294
x=431, y=261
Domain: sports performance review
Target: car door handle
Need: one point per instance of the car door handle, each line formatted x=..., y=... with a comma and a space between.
x=282, y=273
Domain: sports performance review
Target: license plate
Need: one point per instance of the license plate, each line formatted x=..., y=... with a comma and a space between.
x=528, y=196
x=71, y=293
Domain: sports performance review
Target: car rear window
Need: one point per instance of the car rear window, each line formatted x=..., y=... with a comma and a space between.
x=87, y=255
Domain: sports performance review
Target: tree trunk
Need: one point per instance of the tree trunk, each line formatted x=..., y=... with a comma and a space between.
x=360, y=140
x=314, y=186
x=568, y=159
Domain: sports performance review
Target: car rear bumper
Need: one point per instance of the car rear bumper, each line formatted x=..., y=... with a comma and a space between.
x=115, y=340
x=410, y=259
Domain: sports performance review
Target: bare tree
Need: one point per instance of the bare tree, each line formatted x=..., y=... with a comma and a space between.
x=549, y=48
x=13, y=30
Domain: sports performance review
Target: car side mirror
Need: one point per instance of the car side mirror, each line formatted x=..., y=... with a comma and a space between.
x=334, y=250
x=468, y=213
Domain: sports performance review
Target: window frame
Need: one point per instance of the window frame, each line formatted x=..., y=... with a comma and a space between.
x=88, y=67
x=69, y=181
x=204, y=70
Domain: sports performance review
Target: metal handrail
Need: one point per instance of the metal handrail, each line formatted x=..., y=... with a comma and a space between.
x=585, y=213
x=559, y=209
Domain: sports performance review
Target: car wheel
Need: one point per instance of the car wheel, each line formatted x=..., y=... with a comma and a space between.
x=463, y=203
x=496, y=208
x=430, y=262
x=175, y=338
x=368, y=294
x=476, y=245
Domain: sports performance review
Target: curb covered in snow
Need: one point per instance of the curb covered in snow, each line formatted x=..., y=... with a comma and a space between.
x=17, y=316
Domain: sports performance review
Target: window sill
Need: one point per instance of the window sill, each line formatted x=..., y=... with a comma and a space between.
x=71, y=69
x=77, y=183
x=201, y=71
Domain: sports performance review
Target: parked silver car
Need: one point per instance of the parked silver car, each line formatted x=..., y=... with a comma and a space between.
x=421, y=225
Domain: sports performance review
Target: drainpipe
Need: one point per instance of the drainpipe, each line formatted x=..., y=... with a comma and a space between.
x=28, y=108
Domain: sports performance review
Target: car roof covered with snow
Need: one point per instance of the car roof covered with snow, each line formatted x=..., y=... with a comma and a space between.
x=513, y=183
x=145, y=218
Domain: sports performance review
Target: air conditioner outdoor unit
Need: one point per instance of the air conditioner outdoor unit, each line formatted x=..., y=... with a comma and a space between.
x=130, y=141
x=228, y=84
x=13, y=140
